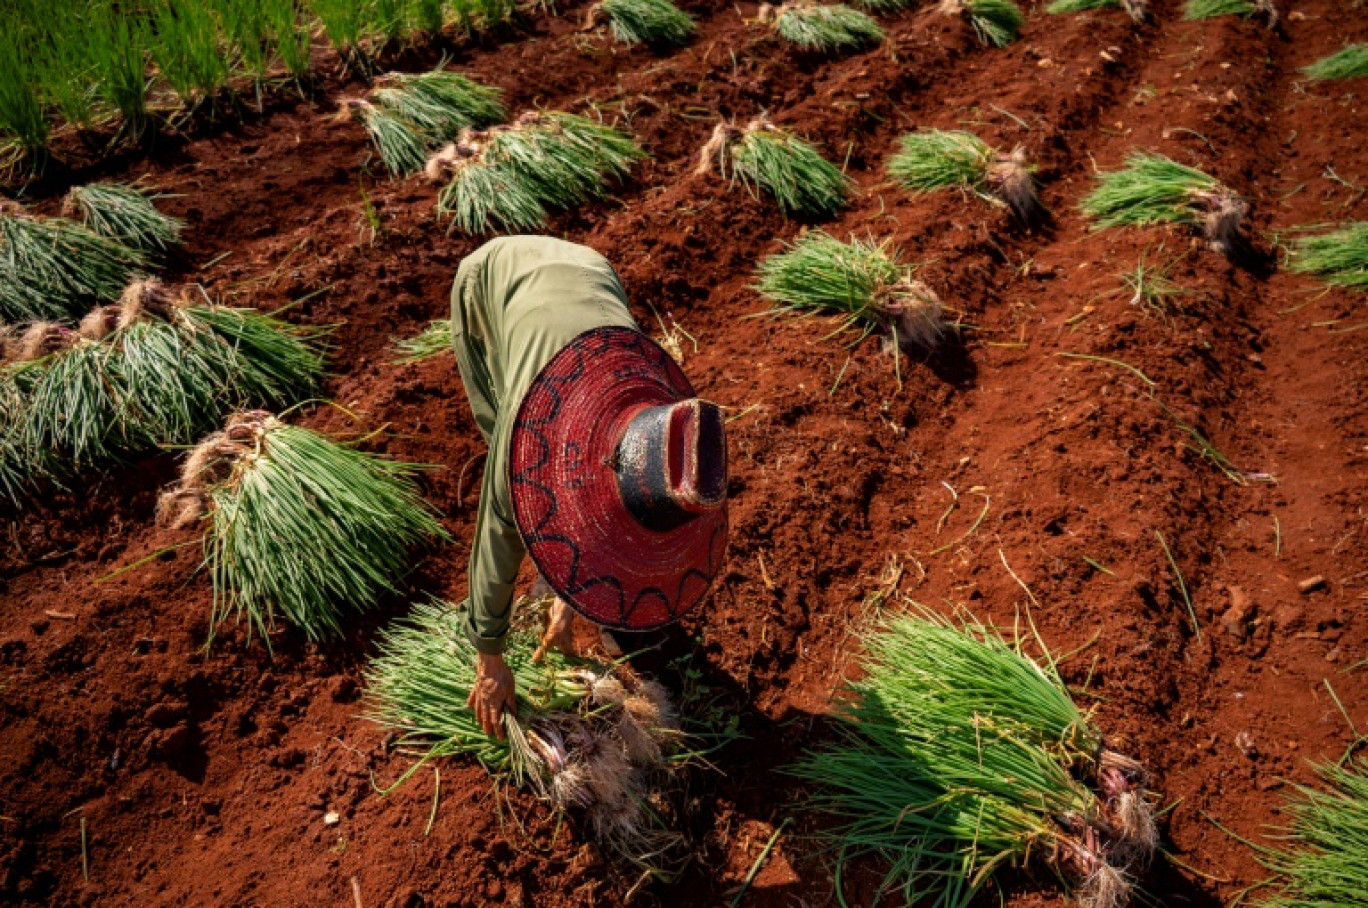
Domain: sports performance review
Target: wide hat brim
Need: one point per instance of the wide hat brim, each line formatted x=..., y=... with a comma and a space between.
x=588, y=547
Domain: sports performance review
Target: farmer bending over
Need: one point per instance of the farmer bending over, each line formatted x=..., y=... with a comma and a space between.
x=603, y=464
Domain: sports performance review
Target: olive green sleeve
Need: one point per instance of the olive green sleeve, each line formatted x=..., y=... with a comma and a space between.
x=496, y=554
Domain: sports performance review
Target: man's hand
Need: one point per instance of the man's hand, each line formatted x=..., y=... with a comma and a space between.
x=560, y=633
x=495, y=690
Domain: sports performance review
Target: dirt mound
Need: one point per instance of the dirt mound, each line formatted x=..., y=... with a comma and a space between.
x=1018, y=465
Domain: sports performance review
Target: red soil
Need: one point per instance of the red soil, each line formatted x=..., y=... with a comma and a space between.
x=205, y=778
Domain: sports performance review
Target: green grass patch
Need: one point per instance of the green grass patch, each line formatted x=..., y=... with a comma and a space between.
x=1340, y=258
x=658, y=23
x=1349, y=63
x=826, y=29
x=510, y=178
x=861, y=283
x=958, y=756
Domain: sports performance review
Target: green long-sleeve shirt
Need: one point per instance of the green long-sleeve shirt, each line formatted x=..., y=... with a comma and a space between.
x=516, y=303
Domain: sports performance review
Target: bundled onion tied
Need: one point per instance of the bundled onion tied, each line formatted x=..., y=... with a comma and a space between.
x=931, y=159
x=765, y=157
x=511, y=177
x=860, y=283
x=960, y=755
x=1153, y=189
x=299, y=527
x=591, y=739
x=154, y=368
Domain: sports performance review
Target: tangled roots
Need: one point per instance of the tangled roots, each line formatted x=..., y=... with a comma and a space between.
x=452, y=156
x=147, y=296
x=1121, y=783
x=39, y=339
x=951, y=7
x=1106, y=887
x=714, y=152
x=211, y=463
x=1138, y=10
x=1221, y=214
x=607, y=690
x=1011, y=181
x=99, y=323
x=914, y=312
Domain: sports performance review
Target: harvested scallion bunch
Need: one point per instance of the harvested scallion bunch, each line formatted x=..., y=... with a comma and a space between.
x=588, y=739
x=959, y=756
x=123, y=212
x=1136, y=9
x=932, y=159
x=1349, y=63
x=510, y=177
x=53, y=268
x=823, y=28
x=409, y=115
x=434, y=340
x=658, y=23
x=861, y=283
x=1339, y=258
x=995, y=22
x=1209, y=9
x=789, y=169
x=300, y=528
x=1325, y=861
x=151, y=371
x=1153, y=189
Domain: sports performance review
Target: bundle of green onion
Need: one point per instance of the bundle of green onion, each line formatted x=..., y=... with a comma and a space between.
x=300, y=527
x=823, y=28
x=1136, y=9
x=1340, y=257
x=1348, y=63
x=1325, y=864
x=1209, y=9
x=434, y=340
x=931, y=159
x=587, y=738
x=995, y=22
x=53, y=268
x=960, y=756
x=148, y=371
x=1153, y=189
x=409, y=116
x=655, y=22
x=767, y=158
x=123, y=212
x=510, y=177
x=861, y=282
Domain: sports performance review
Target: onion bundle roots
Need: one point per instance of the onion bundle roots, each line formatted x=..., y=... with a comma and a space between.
x=509, y=178
x=960, y=755
x=1152, y=189
x=766, y=158
x=589, y=739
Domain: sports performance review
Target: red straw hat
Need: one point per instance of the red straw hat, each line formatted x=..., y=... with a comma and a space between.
x=618, y=475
